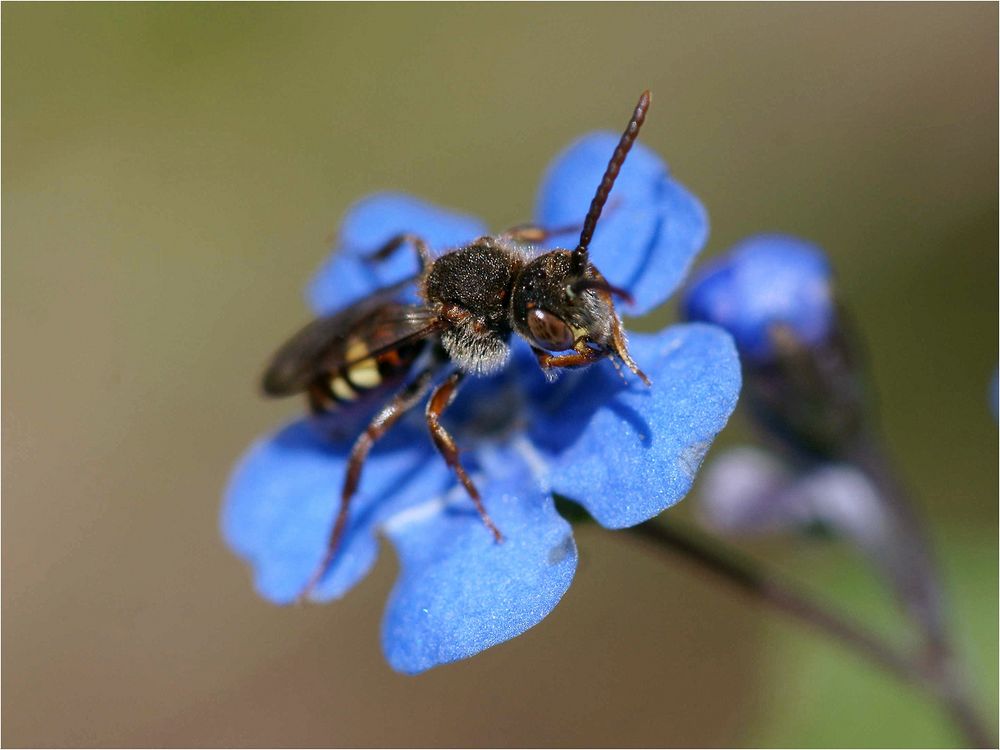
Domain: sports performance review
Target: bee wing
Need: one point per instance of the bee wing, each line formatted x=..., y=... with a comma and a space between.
x=321, y=347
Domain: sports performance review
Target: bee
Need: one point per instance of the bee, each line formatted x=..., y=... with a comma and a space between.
x=386, y=350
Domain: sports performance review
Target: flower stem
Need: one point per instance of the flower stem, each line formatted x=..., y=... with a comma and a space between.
x=921, y=589
x=736, y=569
x=916, y=581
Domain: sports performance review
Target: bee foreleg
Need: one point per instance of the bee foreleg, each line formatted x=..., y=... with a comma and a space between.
x=396, y=242
x=582, y=357
x=440, y=399
x=405, y=400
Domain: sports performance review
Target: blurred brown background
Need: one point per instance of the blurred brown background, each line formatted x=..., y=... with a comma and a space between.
x=171, y=176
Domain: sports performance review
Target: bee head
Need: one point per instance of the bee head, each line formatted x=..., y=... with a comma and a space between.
x=556, y=308
x=561, y=301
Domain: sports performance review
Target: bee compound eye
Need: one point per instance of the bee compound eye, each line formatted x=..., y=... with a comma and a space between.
x=549, y=331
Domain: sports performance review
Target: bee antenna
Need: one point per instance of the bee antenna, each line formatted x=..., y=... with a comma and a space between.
x=580, y=255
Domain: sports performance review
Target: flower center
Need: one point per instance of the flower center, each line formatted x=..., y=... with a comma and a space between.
x=495, y=412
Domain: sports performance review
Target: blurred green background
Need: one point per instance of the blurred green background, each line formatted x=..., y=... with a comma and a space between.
x=172, y=175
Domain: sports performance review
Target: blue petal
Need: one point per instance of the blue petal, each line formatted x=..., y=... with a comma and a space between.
x=762, y=282
x=651, y=228
x=460, y=592
x=281, y=501
x=346, y=276
x=626, y=453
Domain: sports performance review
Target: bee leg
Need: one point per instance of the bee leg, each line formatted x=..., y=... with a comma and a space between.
x=584, y=355
x=580, y=358
x=405, y=400
x=534, y=234
x=442, y=396
x=396, y=242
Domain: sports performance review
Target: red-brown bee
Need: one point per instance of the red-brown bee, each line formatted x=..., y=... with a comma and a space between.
x=473, y=298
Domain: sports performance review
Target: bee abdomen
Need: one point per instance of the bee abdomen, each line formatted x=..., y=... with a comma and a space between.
x=362, y=374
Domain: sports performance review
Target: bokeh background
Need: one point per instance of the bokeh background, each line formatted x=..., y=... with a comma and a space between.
x=172, y=175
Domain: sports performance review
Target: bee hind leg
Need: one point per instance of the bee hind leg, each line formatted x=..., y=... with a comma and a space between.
x=406, y=399
x=440, y=399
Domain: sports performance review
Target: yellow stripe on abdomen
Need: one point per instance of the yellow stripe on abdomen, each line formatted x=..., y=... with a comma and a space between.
x=341, y=389
x=363, y=373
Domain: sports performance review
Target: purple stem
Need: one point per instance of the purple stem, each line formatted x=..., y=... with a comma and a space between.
x=936, y=677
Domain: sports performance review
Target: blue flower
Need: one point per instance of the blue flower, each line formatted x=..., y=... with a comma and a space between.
x=763, y=282
x=805, y=389
x=622, y=450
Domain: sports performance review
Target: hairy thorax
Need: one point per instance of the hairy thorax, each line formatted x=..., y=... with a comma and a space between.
x=470, y=288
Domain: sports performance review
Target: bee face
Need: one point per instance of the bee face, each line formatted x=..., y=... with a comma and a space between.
x=551, y=310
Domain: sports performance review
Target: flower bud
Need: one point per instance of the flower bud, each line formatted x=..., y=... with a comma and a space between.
x=766, y=283
x=773, y=294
